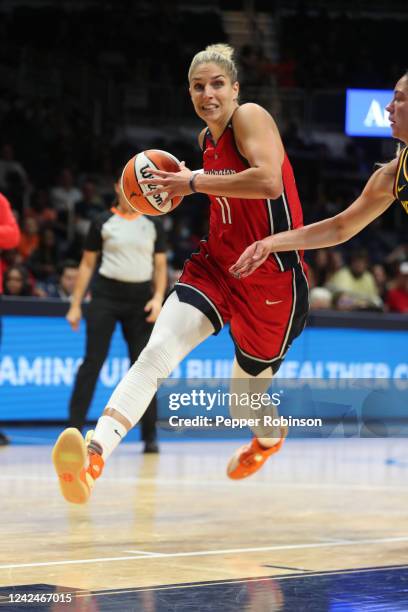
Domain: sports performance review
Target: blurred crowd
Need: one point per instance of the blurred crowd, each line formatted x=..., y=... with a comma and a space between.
x=356, y=283
x=59, y=159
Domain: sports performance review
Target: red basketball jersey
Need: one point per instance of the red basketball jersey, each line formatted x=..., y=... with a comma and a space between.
x=235, y=223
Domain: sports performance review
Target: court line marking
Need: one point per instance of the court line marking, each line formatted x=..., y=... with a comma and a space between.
x=237, y=581
x=203, y=553
x=144, y=552
x=334, y=540
x=107, y=592
x=286, y=567
x=233, y=581
x=220, y=483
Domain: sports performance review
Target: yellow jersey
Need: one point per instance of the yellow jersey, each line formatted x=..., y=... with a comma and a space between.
x=401, y=180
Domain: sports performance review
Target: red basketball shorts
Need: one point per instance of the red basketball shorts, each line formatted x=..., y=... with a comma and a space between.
x=264, y=316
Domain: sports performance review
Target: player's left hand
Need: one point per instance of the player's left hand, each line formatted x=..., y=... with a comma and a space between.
x=173, y=183
x=253, y=257
x=153, y=307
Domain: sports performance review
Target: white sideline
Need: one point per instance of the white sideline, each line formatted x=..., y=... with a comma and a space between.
x=201, y=553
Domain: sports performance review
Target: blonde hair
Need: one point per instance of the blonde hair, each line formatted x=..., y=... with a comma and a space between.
x=220, y=54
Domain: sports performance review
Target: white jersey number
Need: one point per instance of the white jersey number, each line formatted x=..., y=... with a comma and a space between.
x=225, y=209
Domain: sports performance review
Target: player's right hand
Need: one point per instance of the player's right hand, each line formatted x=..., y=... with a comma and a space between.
x=74, y=316
x=253, y=257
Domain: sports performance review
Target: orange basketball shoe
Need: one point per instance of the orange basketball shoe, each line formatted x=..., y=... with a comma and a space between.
x=249, y=458
x=77, y=466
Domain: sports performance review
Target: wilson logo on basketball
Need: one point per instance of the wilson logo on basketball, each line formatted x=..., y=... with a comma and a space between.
x=136, y=169
x=146, y=175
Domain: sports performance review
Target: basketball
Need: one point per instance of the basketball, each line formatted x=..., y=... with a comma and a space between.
x=136, y=169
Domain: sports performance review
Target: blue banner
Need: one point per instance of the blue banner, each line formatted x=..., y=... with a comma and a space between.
x=40, y=355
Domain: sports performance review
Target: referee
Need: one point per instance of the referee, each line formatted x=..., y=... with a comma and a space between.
x=129, y=289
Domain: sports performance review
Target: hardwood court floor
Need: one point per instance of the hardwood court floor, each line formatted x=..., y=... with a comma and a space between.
x=319, y=505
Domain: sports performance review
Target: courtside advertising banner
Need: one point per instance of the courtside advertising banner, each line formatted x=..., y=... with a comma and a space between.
x=40, y=356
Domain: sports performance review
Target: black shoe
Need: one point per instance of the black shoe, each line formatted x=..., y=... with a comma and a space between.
x=151, y=447
x=4, y=439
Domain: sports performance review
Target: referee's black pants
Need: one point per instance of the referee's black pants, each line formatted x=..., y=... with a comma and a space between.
x=102, y=315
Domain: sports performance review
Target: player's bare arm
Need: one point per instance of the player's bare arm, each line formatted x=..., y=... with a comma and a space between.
x=258, y=141
x=375, y=198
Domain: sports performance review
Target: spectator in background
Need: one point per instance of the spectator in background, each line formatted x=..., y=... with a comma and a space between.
x=323, y=266
x=64, y=197
x=9, y=258
x=29, y=237
x=43, y=261
x=397, y=298
x=320, y=298
x=9, y=238
x=325, y=263
x=13, y=177
x=40, y=208
x=105, y=179
x=68, y=274
x=16, y=281
x=355, y=280
x=381, y=279
x=398, y=255
x=89, y=207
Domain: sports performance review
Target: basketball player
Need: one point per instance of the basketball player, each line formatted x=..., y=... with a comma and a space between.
x=252, y=190
x=388, y=183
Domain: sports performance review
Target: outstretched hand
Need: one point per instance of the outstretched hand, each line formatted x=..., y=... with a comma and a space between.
x=172, y=183
x=253, y=257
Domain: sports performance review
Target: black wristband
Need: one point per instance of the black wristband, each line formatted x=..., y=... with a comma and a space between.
x=191, y=183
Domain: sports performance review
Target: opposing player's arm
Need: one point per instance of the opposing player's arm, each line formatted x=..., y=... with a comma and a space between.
x=375, y=198
x=258, y=140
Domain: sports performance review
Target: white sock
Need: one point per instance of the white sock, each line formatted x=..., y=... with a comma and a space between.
x=108, y=433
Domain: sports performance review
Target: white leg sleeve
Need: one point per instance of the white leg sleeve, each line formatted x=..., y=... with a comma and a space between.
x=179, y=328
